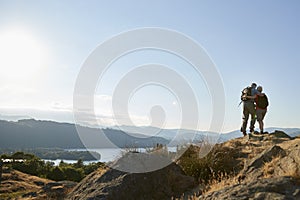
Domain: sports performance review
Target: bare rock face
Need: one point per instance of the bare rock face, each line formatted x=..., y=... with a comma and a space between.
x=114, y=184
x=290, y=164
x=281, y=188
x=252, y=170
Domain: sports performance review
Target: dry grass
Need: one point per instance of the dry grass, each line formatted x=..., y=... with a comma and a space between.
x=218, y=183
x=287, y=145
x=293, y=172
x=269, y=167
x=15, y=184
x=15, y=181
x=12, y=195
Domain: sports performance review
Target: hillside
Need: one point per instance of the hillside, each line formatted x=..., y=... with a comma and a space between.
x=30, y=133
x=270, y=169
x=18, y=185
x=252, y=167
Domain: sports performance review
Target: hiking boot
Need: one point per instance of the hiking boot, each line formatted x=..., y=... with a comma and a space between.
x=243, y=131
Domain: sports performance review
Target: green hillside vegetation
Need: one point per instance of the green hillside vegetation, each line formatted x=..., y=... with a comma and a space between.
x=35, y=166
x=56, y=153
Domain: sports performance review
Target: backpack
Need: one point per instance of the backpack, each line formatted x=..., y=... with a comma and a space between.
x=262, y=101
x=246, y=92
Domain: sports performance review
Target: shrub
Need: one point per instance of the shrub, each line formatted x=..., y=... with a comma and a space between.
x=219, y=161
x=56, y=174
x=73, y=174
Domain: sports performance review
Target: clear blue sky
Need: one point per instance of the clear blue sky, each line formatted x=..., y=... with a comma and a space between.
x=249, y=41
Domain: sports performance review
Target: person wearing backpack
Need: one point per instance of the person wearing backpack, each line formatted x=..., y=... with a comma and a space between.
x=262, y=102
x=248, y=107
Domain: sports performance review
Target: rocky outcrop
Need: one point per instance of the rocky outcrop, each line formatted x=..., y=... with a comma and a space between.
x=253, y=167
x=271, y=170
x=290, y=164
x=280, y=188
x=165, y=183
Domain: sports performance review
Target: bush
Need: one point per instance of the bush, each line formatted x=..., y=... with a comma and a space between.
x=37, y=167
x=32, y=166
x=56, y=174
x=73, y=174
x=219, y=161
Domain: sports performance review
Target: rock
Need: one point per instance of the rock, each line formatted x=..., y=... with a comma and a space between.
x=165, y=183
x=29, y=194
x=68, y=184
x=260, y=189
x=290, y=164
x=141, y=162
x=39, y=183
x=266, y=156
x=48, y=186
x=58, y=190
x=268, y=196
x=280, y=134
x=296, y=194
x=253, y=167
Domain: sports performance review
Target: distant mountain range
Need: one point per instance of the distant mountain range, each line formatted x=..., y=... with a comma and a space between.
x=31, y=133
x=174, y=136
x=184, y=135
x=235, y=134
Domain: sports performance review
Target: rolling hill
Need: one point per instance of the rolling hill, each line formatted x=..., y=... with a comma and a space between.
x=31, y=133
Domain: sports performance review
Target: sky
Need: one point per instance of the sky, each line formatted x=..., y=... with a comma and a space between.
x=43, y=45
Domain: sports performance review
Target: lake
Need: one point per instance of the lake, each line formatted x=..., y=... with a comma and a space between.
x=107, y=154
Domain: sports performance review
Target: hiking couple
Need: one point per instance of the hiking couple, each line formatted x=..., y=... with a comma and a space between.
x=255, y=103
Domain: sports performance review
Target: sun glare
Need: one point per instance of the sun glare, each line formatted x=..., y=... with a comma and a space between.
x=21, y=55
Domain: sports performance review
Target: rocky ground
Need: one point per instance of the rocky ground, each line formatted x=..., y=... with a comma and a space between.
x=263, y=167
x=113, y=184
x=18, y=185
x=271, y=169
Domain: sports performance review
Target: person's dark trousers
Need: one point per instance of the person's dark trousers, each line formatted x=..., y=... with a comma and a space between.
x=248, y=108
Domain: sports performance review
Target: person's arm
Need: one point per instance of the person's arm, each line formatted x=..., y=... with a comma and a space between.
x=251, y=97
x=255, y=96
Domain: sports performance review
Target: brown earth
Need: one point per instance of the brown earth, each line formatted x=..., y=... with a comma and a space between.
x=18, y=185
